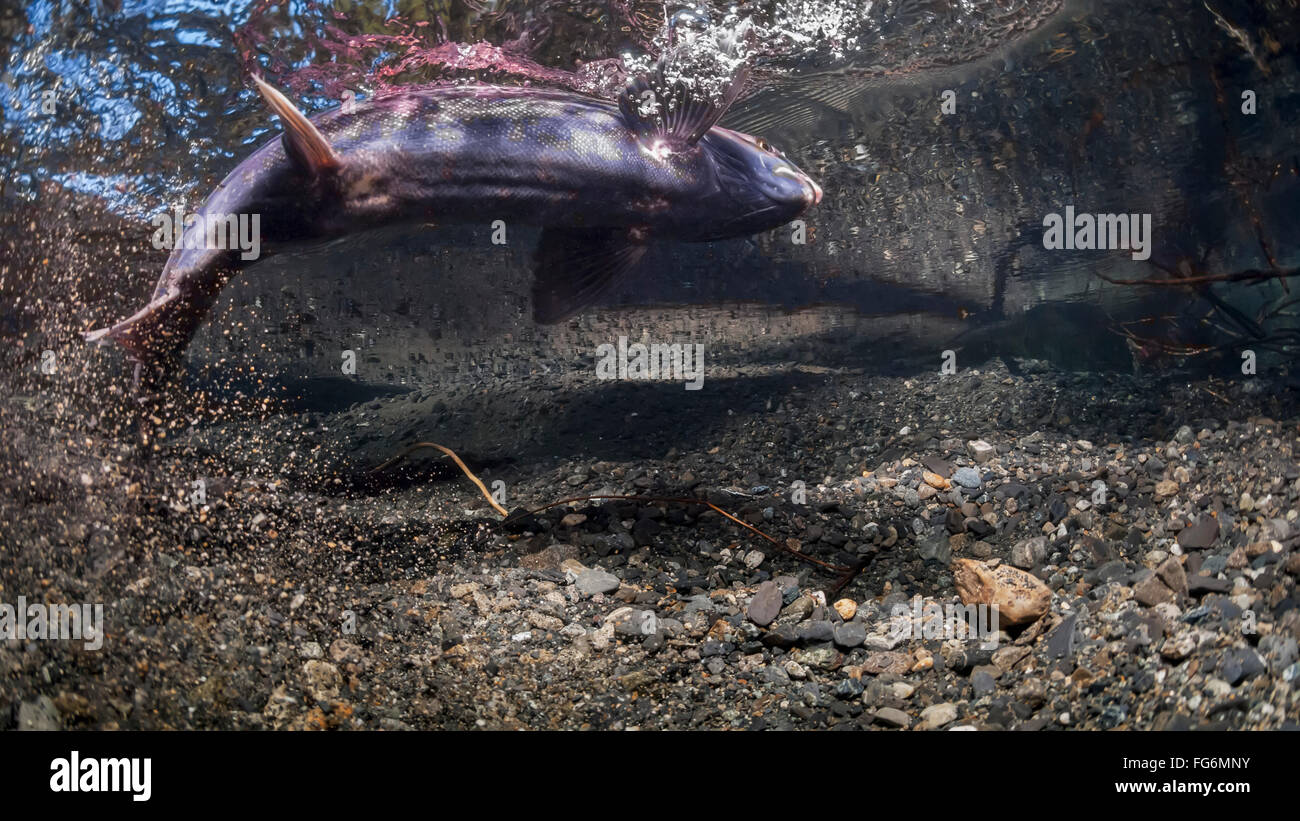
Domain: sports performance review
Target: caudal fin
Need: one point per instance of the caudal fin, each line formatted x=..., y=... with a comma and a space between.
x=156, y=335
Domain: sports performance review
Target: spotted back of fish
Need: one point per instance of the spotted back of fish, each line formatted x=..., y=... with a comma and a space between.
x=549, y=157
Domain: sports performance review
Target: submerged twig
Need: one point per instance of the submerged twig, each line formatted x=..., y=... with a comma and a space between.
x=418, y=445
x=846, y=574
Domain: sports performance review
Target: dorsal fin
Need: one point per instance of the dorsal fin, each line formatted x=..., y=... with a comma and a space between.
x=657, y=109
x=666, y=109
x=306, y=147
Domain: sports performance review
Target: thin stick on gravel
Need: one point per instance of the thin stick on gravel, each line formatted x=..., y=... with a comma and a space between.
x=408, y=451
x=846, y=574
x=834, y=568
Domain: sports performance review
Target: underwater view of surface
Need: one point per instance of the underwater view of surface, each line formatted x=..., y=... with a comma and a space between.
x=735, y=328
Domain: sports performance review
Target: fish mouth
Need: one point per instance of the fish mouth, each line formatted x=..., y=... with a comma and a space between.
x=812, y=192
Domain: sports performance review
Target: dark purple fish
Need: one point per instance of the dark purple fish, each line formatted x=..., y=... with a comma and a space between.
x=601, y=179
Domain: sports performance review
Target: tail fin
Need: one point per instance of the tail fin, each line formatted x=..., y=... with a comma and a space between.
x=156, y=335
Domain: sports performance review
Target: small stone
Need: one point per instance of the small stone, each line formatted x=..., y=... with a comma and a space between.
x=344, y=651
x=1152, y=591
x=1200, y=535
x=543, y=621
x=902, y=690
x=937, y=715
x=1020, y=597
x=1177, y=648
x=39, y=714
x=460, y=591
x=590, y=582
x=1166, y=488
x=850, y=634
x=1218, y=688
x=934, y=481
x=893, y=717
x=888, y=661
x=1172, y=574
x=766, y=604
x=980, y=451
x=983, y=683
x=968, y=478
x=322, y=680
x=823, y=658
x=847, y=608
x=573, y=519
x=1029, y=553
x=849, y=689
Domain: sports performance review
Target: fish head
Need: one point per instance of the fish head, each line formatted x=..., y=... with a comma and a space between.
x=757, y=187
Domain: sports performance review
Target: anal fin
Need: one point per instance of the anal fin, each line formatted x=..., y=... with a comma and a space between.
x=575, y=267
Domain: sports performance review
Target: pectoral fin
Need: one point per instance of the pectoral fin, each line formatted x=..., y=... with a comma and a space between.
x=307, y=148
x=575, y=267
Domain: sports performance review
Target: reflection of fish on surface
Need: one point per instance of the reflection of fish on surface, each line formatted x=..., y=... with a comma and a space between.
x=809, y=101
x=601, y=179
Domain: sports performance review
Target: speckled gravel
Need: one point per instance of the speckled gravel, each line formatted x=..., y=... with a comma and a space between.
x=302, y=592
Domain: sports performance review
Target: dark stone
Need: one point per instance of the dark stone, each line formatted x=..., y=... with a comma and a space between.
x=954, y=521
x=849, y=688
x=1207, y=584
x=645, y=530
x=983, y=683
x=850, y=634
x=1060, y=642
x=783, y=636
x=766, y=604
x=818, y=630
x=936, y=465
x=1200, y=535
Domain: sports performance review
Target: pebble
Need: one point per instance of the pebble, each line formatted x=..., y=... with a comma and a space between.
x=980, y=451
x=968, y=478
x=847, y=608
x=893, y=717
x=322, y=680
x=766, y=604
x=1029, y=553
x=591, y=581
x=1019, y=596
x=850, y=634
x=937, y=715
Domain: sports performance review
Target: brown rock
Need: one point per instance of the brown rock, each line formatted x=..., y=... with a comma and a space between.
x=887, y=662
x=1171, y=573
x=1007, y=657
x=765, y=605
x=1292, y=565
x=1152, y=591
x=935, y=481
x=1019, y=596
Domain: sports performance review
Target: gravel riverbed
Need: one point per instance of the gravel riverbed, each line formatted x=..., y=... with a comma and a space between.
x=1143, y=530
